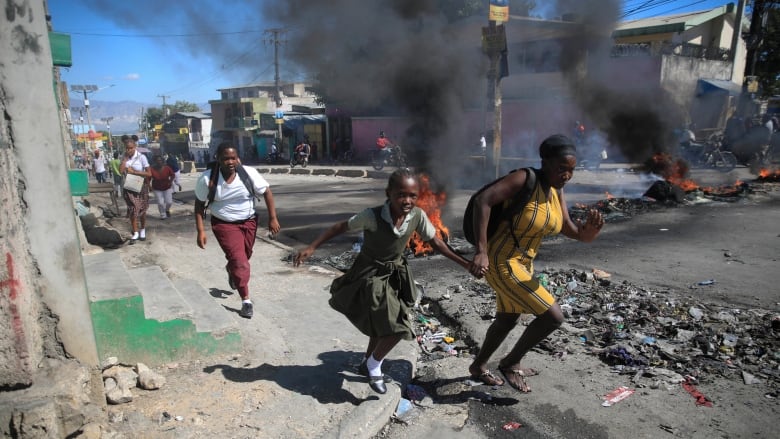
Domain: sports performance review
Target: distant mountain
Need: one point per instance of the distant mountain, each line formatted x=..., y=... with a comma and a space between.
x=126, y=114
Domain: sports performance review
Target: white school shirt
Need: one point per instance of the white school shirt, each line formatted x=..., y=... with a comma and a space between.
x=232, y=202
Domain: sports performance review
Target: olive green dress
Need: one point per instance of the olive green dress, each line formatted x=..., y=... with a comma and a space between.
x=377, y=293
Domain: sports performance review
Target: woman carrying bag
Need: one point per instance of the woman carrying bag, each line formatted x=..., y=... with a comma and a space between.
x=135, y=168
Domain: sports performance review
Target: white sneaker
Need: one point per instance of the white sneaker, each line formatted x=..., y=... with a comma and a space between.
x=163, y=216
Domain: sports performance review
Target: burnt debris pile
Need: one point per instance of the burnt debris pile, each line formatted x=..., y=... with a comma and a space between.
x=650, y=332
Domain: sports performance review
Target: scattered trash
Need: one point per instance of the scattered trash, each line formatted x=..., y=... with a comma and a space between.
x=616, y=396
x=700, y=398
x=406, y=411
x=707, y=282
x=600, y=274
x=510, y=426
x=544, y=280
x=415, y=392
x=750, y=379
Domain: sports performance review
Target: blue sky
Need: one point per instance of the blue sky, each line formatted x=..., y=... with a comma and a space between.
x=188, y=49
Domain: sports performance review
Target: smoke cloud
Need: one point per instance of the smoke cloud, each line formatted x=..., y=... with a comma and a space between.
x=634, y=111
x=393, y=58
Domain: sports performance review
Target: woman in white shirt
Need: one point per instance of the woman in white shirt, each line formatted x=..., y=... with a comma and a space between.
x=222, y=189
x=135, y=163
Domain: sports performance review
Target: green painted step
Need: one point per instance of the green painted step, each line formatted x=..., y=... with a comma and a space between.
x=140, y=316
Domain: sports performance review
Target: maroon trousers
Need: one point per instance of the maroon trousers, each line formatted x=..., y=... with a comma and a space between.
x=237, y=241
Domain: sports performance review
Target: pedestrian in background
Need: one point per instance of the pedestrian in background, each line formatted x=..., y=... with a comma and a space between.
x=233, y=215
x=113, y=165
x=174, y=165
x=162, y=185
x=377, y=293
x=99, y=165
x=135, y=163
x=506, y=259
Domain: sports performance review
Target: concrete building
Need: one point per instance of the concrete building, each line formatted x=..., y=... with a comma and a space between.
x=238, y=114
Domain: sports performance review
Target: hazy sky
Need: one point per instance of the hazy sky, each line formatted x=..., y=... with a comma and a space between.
x=188, y=49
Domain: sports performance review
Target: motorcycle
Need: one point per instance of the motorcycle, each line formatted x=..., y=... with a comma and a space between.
x=708, y=155
x=273, y=157
x=391, y=156
x=299, y=158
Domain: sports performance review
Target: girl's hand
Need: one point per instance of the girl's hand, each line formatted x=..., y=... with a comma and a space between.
x=302, y=256
x=479, y=265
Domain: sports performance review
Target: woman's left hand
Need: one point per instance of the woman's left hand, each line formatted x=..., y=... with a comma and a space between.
x=590, y=228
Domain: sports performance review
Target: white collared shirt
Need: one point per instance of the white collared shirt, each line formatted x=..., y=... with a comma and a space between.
x=366, y=220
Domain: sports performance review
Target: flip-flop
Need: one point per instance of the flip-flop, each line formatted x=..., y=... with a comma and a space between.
x=523, y=386
x=487, y=378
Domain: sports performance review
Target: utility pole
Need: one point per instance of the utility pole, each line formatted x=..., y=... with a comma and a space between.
x=165, y=113
x=494, y=45
x=108, y=120
x=86, y=89
x=274, y=34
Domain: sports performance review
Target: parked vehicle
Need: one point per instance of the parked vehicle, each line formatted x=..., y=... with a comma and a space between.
x=708, y=154
x=274, y=157
x=391, y=156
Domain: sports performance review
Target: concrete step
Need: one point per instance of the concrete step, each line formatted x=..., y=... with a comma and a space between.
x=208, y=315
x=107, y=277
x=139, y=315
x=162, y=301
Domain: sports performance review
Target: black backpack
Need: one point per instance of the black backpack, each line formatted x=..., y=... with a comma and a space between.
x=214, y=178
x=498, y=213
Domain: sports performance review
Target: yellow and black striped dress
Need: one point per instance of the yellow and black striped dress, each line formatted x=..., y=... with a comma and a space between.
x=511, y=267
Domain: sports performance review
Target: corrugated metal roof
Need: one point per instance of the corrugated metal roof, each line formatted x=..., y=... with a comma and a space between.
x=669, y=23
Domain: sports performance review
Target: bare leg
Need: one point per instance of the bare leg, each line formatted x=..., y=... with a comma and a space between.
x=384, y=345
x=372, y=342
x=542, y=326
x=496, y=334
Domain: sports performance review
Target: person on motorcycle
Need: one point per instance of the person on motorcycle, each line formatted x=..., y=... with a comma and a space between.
x=383, y=145
x=302, y=150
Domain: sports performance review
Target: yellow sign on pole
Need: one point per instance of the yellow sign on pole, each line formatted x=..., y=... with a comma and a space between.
x=279, y=121
x=499, y=10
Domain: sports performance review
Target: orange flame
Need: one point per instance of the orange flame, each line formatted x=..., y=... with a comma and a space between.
x=768, y=174
x=430, y=202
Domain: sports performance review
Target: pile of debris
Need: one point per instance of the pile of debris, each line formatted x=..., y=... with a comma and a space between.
x=641, y=331
x=119, y=380
x=663, y=194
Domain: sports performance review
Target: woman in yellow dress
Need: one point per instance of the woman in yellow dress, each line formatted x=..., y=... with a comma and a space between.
x=506, y=259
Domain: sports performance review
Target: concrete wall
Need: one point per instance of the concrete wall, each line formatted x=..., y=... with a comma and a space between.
x=41, y=256
x=680, y=75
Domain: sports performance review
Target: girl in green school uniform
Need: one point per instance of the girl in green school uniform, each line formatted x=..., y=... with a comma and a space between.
x=377, y=292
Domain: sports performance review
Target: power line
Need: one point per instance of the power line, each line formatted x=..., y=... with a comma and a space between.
x=204, y=34
x=217, y=72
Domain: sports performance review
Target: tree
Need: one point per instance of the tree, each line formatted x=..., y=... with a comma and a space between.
x=155, y=116
x=768, y=55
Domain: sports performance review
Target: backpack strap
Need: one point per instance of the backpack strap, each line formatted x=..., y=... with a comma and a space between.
x=213, y=179
x=521, y=200
x=247, y=180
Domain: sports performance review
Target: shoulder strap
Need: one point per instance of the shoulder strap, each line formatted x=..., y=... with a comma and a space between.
x=247, y=180
x=213, y=179
x=523, y=197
